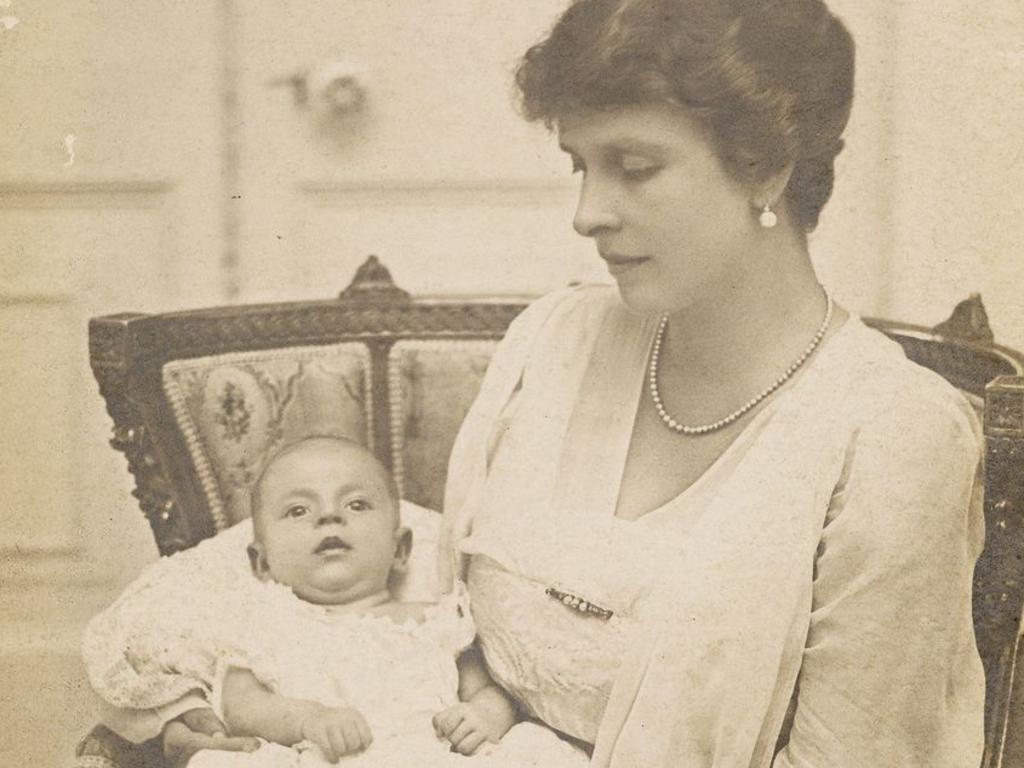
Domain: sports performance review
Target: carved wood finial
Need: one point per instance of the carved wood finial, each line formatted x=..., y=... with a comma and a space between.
x=373, y=284
x=969, y=321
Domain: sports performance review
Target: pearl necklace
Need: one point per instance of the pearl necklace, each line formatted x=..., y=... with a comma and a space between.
x=678, y=427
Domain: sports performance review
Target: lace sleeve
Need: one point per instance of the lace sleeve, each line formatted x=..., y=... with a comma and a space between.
x=449, y=622
x=158, y=641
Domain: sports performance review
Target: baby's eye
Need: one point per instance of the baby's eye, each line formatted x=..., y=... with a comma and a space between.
x=296, y=510
x=358, y=505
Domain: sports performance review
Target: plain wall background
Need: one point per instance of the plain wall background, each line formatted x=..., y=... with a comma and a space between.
x=197, y=179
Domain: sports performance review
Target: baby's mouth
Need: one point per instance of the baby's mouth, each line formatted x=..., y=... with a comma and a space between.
x=331, y=544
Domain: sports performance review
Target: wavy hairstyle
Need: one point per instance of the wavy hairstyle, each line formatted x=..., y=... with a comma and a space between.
x=771, y=79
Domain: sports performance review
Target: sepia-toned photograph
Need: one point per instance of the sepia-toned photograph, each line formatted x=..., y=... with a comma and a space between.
x=535, y=384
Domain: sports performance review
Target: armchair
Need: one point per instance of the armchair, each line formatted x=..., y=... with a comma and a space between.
x=198, y=399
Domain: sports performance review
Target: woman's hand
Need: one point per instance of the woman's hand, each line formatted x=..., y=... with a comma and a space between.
x=200, y=729
x=337, y=731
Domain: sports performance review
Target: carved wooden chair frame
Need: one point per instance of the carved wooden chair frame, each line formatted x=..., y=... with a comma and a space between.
x=128, y=352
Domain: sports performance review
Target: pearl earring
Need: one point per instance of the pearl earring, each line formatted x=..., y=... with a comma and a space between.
x=768, y=219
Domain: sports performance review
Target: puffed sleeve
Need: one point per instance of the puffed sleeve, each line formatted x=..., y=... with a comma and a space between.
x=449, y=622
x=155, y=646
x=891, y=674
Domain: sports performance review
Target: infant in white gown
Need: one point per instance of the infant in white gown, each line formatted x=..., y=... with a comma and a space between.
x=397, y=674
x=322, y=665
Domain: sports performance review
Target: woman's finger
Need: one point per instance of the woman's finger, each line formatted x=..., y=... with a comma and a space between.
x=203, y=720
x=180, y=743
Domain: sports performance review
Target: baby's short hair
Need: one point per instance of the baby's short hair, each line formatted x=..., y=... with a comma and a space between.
x=255, y=498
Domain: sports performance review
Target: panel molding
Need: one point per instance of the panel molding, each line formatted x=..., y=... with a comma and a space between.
x=446, y=192
x=83, y=193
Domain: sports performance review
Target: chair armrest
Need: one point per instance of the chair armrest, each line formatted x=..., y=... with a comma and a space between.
x=102, y=748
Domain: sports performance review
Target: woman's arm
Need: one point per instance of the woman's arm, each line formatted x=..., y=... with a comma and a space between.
x=890, y=672
x=481, y=430
x=252, y=709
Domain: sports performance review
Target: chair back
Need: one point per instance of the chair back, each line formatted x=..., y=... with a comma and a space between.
x=201, y=398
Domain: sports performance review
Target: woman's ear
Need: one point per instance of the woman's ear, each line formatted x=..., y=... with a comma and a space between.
x=403, y=547
x=258, y=561
x=770, y=191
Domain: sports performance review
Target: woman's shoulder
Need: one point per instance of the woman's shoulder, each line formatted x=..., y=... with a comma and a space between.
x=562, y=318
x=576, y=305
x=884, y=390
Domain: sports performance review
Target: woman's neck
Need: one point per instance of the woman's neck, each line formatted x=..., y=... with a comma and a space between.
x=755, y=327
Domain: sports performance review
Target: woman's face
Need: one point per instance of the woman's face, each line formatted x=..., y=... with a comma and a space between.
x=672, y=224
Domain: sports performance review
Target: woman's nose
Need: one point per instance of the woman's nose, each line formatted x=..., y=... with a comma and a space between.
x=595, y=210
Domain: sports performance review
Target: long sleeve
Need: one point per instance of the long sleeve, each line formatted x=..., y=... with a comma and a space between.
x=481, y=430
x=890, y=673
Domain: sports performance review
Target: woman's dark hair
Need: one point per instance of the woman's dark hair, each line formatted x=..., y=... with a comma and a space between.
x=771, y=79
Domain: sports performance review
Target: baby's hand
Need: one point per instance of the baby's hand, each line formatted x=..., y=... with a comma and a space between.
x=468, y=725
x=337, y=731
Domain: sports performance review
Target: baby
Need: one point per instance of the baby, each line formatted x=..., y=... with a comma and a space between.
x=329, y=667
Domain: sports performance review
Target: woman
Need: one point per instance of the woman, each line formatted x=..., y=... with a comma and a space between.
x=708, y=518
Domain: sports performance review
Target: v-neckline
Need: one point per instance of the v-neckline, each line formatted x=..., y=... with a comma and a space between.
x=605, y=414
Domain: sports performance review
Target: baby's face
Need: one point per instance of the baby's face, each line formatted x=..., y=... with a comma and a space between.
x=327, y=525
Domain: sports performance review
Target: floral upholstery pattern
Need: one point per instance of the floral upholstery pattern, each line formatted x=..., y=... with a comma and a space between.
x=234, y=410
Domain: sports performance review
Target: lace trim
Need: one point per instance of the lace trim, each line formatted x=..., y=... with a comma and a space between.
x=190, y=431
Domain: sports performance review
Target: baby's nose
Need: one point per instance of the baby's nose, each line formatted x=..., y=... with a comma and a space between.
x=331, y=518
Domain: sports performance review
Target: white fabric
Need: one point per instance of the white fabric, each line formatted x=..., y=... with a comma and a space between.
x=126, y=647
x=840, y=548
x=561, y=664
x=396, y=675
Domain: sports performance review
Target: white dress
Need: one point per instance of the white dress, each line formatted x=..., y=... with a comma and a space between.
x=561, y=663
x=813, y=585
x=396, y=675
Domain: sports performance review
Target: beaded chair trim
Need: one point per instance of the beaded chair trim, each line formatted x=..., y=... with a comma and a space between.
x=396, y=409
x=93, y=761
x=190, y=431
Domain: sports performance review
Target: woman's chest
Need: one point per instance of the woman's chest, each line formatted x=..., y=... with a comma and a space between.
x=661, y=464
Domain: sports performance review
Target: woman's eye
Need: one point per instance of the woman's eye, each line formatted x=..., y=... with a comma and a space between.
x=637, y=168
x=296, y=510
x=358, y=505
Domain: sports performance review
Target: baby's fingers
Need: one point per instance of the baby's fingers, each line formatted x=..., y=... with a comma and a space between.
x=462, y=733
x=353, y=736
x=446, y=721
x=365, y=736
x=338, y=744
x=470, y=743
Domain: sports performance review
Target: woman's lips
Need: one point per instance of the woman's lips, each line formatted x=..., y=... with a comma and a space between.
x=617, y=265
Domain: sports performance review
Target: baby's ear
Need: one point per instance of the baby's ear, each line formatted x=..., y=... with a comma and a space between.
x=258, y=561
x=403, y=546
